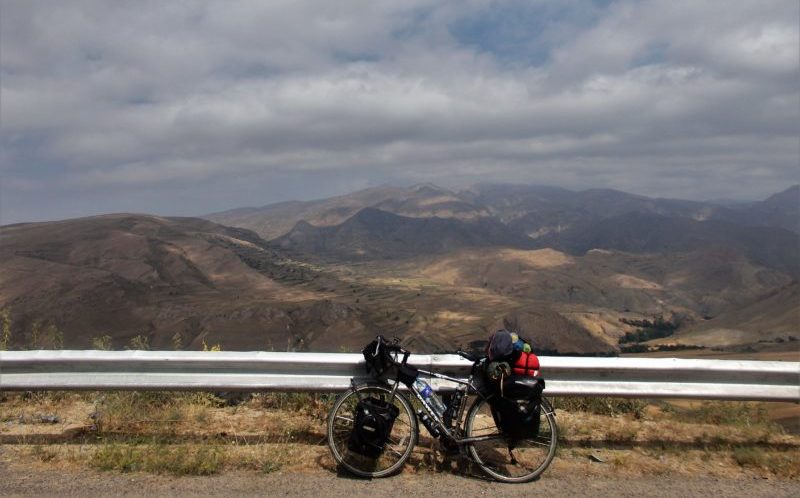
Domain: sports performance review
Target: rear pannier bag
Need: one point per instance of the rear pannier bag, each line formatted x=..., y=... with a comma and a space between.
x=374, y=419
x=526, y=365
x=517, y=408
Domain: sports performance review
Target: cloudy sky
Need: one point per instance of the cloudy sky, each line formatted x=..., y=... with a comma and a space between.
x=189, y=107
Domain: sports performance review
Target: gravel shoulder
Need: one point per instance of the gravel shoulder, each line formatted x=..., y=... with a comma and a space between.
x=91, y=483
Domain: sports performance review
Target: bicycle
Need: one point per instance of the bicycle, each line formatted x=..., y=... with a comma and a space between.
x=473, y=432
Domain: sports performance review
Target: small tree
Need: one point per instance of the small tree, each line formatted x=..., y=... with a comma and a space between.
x=177, y=341
x=5, y=329
x=102, y=343
x=52, y=338
x=213, y=347
x=36, y=327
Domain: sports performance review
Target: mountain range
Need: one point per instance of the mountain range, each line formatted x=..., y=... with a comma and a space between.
x=389, y=222
x=574, y=271
x=533, y=210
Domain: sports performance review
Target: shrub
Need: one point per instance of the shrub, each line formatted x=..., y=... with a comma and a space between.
x=656, y=329
x=102, y=343
x=601, y=406
x=140, y=343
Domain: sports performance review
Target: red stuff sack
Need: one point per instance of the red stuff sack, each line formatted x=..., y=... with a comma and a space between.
x=527, y=364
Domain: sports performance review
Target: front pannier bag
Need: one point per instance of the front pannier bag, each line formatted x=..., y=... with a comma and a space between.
x=374, y=419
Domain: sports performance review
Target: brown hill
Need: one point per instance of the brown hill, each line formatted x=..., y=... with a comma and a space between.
x=184, y=282
x=773, y=317
x=596, y=290
x=174, y=280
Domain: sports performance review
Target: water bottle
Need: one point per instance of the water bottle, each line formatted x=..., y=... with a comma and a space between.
x=428, y=395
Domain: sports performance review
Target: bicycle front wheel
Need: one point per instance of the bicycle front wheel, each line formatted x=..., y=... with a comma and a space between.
x=522, y=461
x=401, y=441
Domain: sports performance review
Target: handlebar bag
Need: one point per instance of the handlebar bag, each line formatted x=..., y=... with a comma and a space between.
x=374, y=419
x=378, y=357
x=379, y=361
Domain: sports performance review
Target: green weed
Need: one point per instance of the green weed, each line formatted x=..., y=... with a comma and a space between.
x=727, y=413
x=159, y=458
x=601, y=406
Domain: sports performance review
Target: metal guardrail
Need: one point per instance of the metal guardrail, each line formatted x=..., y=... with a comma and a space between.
x=320, y=372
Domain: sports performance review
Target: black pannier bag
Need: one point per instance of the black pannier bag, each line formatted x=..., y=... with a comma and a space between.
x=374, y=419
x=379, y=361
x=378, y=357
x=516, y=407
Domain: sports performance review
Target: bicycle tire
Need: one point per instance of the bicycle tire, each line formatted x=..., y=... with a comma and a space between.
x=401, y=440
x=531, y=456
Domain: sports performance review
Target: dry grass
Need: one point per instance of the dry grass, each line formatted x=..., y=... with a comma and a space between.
x=199, y=434
x=158, y=458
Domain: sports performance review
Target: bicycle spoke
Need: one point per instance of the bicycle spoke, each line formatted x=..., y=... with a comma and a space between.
x=399, y=442
x=402, y=421
x=389, y=448
x=493, y=452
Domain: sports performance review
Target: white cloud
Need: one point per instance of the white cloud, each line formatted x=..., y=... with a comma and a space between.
x=99, y=94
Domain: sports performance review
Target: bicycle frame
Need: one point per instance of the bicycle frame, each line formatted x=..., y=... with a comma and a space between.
x=471, y=389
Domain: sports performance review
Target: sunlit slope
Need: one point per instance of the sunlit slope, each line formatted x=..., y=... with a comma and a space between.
x=176, y=281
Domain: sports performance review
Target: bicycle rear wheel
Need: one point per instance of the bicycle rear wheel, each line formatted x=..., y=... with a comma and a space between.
x=402, y=438
x=495, y=456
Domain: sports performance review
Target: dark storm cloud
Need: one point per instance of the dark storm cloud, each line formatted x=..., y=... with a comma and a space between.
x=182, y=107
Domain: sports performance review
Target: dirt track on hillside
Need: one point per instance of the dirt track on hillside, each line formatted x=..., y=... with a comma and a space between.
x=90, y=483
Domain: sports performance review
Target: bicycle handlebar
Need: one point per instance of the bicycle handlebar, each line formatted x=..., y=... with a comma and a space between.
x=467, y=356
x=394, y=346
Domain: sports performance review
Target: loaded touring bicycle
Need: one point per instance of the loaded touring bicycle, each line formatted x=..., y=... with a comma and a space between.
x=509, y=430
